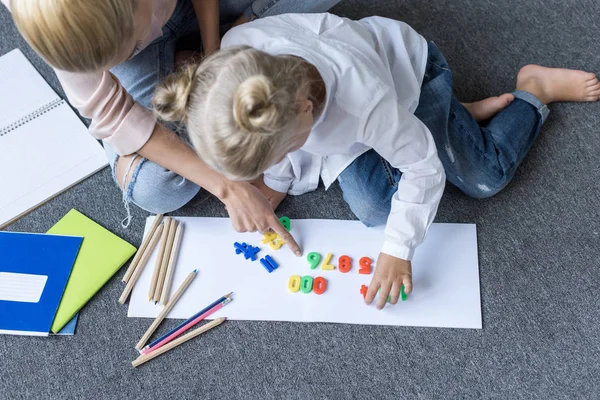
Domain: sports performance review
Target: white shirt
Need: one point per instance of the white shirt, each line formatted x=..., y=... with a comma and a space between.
x=373, y=70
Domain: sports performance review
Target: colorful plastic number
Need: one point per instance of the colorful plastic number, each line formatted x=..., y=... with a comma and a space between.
x=269, y=264
x=269, y=237
x=248, y=250
x=306, y=284
x=276, y=244
x=287, y=224
x=294, y=283
x=326, y=266
x=403, y=294
x=319, y=285
x=313, y=259
x=273, y=239
x=363, y=290
x=344, y=264
x=365, y=266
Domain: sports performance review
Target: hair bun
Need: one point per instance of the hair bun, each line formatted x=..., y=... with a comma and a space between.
x=171, y=97
x=253, y=107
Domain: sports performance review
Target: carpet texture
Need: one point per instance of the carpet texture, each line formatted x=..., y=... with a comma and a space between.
x=538, y=249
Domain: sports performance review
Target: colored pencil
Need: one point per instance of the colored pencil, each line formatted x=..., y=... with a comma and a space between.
x=147, y=357
x=182, y=288
x=142, y=264
x=159, y=256
x=166, y=290
x=185, y=328
x=142, y=248
x=165, y=261
x=193, y=317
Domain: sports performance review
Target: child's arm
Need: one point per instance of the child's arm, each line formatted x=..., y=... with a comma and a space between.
x=207, y=13
x=406, y=143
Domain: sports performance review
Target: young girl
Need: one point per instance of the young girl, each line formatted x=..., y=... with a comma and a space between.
x=368, y=102
x=110, y=54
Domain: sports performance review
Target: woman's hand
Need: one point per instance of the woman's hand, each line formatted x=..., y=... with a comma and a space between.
x=390, y=274
x=250, y=211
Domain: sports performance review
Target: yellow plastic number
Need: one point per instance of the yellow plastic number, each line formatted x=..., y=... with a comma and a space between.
x=294, y=283
x=326, y=266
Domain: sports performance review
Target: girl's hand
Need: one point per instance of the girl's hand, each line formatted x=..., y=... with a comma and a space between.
x=274, y=197
x=250, y=211
x=390, y=274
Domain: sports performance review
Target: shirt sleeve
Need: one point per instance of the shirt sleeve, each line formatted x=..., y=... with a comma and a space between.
x=280, y=176
x=116, y=118
x=406, y=143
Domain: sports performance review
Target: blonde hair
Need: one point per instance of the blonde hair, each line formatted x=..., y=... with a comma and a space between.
x=75, y=35
x=239, y=106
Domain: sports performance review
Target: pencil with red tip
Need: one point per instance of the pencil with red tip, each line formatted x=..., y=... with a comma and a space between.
x=184, y=328
x=190, y=319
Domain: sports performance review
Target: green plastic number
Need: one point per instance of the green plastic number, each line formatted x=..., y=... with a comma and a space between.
x=313, y=259
x=285, y=221
x=306, y=284
x=403, y=294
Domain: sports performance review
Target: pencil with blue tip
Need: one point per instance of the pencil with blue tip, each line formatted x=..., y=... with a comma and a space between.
x=182, y=288
x=192, y=318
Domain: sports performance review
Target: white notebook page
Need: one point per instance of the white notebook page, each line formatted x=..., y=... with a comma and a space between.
x=45, y=155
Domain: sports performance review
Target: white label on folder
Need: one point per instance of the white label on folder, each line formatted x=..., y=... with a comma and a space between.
x=25, y=288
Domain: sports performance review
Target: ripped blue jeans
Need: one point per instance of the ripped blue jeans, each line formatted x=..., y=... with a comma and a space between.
x=152, y=187
x=480, y=159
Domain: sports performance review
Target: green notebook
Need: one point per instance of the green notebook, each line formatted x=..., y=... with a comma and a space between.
x=101, y=255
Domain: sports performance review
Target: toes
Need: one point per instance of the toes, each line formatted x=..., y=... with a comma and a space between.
x=592, y=98
x=592, y=82
x=590, y=76
x=594, y=87
x=593, y=92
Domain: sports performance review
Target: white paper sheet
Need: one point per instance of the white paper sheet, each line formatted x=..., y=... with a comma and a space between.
x=445, y=276
x=43, y=153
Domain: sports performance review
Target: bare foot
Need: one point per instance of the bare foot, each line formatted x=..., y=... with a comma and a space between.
x=558, y=84
x=485, y=109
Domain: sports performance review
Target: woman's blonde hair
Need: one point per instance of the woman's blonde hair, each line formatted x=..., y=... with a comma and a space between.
x=75, y=35
x=239, y=106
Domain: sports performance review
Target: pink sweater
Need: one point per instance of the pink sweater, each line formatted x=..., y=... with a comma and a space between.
x=116, y=117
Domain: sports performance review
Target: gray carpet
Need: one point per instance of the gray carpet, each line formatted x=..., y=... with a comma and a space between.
x=538, y=243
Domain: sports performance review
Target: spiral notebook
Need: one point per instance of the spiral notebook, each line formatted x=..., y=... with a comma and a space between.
x=44, y=147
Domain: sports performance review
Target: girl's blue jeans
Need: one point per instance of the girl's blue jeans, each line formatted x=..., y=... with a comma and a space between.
x=480, y=159
x=153, y=187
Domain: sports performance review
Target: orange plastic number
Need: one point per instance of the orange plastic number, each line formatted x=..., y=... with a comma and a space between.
x=319, y=285
x=363, y=290
x=365, y=266
x=344, y=264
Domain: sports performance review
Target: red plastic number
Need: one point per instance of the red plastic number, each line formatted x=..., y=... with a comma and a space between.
x=363, y=291
x=319, y=285
x=344, y=264
x=365, y=266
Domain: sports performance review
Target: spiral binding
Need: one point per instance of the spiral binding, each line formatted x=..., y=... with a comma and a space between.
x=31, y=116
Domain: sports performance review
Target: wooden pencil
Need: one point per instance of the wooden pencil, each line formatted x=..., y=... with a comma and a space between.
x=158, y=262
x=165, y=261
x=182, y=288
x=147, y=357
x=140, y=252
x=168, y=280
x=142, y=264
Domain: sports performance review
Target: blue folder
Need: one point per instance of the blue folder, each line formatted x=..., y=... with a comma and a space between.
x=34, y=270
